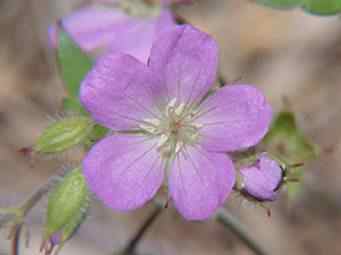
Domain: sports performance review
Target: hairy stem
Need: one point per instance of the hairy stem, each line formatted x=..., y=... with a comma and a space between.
x=231, y=223
x=131, y=246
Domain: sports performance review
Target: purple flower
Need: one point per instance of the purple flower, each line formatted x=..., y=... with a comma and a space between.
x=98, y=29
x=162, y=126
x=262, y=179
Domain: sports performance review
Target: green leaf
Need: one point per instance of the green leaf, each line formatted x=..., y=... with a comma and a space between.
x=73, y=62
x=287, y=141
x=322, y=7
x=73, y=105
x=318, y=7
x=281, y=4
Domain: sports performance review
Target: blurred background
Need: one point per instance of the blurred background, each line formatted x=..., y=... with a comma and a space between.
x=286, y=53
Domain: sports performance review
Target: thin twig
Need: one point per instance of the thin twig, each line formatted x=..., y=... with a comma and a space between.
x=131, y=246
x=17, y=215
x=16, y=240
x=230, y=222
x=38, y=195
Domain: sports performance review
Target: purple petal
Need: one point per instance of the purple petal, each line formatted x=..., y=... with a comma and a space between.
x=119, y=92
x=166, y=21
x=187, y=61
x=234, y=118
x=139, y=34
x=88, y=26
x=124, y=171
x=134, y=38
x=200, y=181
x=101, y=29
x=262, y=179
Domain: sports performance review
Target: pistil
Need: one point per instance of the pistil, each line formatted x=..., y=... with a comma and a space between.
x=174, y=130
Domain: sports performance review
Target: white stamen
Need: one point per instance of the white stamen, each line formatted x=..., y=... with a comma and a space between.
x=150, y=125
x=179, y=110
x=197, y=125
x=154, y=121
x=172, y=103
x=175, y=129
x=162, y=140
x=178, y=146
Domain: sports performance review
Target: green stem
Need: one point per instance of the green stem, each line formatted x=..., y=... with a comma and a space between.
x=230, y=222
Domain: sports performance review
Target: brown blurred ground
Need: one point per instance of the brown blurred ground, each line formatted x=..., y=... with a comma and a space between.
x=287, y=54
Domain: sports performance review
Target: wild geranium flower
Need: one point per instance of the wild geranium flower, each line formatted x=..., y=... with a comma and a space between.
x=163, y=127
x=130, y=28
x=261, y=180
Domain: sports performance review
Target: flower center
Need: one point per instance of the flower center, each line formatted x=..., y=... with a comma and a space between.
x=139, y=8
x=175, y=129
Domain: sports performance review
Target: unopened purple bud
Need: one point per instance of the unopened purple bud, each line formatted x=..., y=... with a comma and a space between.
x=261, y=180
x=55, y=239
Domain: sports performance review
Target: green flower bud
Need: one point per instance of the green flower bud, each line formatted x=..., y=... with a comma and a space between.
x=67, y=207
x=64, y=134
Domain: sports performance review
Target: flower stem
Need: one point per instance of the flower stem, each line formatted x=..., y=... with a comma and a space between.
x=37, y=196
x=16, y=215
x=16, y=240
x=230, y=222
x=131, y=246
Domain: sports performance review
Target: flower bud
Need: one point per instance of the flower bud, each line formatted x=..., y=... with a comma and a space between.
x=67, y=207
x=64, y=134
x=286, y=140
x=262, y=179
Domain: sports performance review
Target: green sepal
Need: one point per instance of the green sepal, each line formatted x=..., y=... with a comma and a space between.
x=97, y=133
x=74, y=64
x=64, y=134
x=295, y=188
